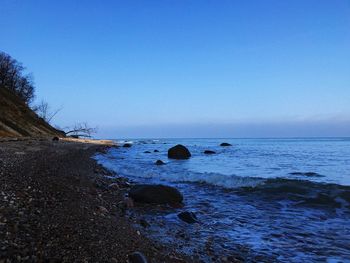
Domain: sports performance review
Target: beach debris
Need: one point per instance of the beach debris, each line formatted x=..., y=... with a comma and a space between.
x=127, y=145
x=179, y=152
x=225, y=144
x=155, y=194
x=209, y=152
x=137, y=257
x=159, y=162
x=188, y=217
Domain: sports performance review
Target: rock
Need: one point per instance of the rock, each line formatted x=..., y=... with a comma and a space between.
x=159, y=162
x=155, y=194
x=224, y=144
x=55, y=139
x=144, y=223
x=188, y=217
x=179, y=152
x=146, y=152
x=114, y=186
x=209, y=152
x=137, y=257
x=129, y=203
x=308, y=174
x=156, y=151
x=127, y=145
x=102, y=209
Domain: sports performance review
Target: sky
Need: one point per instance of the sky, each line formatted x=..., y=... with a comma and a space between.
x=187, y=68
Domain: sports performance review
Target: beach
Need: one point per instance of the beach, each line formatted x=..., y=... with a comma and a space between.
x=56, y=206
x=71, y=201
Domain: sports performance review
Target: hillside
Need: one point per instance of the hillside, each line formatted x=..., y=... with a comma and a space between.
x=17, y=120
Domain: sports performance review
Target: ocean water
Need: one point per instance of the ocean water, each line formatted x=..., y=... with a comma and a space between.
x=264, y=200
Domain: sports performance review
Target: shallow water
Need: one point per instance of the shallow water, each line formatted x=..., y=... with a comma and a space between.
x=283, y=200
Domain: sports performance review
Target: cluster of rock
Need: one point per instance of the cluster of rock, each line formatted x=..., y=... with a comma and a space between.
x=158, y=194
x=164, y=194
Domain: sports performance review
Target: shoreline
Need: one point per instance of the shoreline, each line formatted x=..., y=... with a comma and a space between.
x=57, y=204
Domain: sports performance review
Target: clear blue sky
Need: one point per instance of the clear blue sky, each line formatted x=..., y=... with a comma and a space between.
x=188, y=68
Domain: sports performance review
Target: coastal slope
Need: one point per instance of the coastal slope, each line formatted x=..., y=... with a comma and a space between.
x=18, y=120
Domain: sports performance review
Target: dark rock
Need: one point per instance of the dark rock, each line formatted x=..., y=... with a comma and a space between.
x=144, y=223
x=224, y=144
x=322, y=200
x=156, y=151
x=209, y=152
x=127, y=145
x=146, y=152
x=159, y=162
x=179, y=152
x=114, y=186
x=308, y=174
x=188, y=217
x=137, y=257
x=55, y=139
x=155, y=194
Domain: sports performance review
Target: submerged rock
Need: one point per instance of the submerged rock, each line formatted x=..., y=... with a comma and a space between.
x=127, y=145
x=179, y=152
x=137, y=257
x=224, y=144
x=308, y=174
x=146, y=152
x=209, y=152
x=159, y=162
x=155, y=194
x=188, y=217
x=144, y=223
x=156, y=151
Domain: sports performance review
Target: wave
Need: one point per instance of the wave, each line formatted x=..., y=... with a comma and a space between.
x=302, y=192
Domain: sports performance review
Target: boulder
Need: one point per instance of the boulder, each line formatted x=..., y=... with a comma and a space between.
x=224, y=144
x=127, y=145
x=55, y=139
x=137, y=257
x=159, y=162
x=188, y=217
x=209, y=152
x=179, y=152
x=155, y=194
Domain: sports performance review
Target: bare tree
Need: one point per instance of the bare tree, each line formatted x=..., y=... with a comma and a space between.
x=44, y=111
x=12, y=77
x=81, y=130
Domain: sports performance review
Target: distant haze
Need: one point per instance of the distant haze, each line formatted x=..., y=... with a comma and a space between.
x=188, y=68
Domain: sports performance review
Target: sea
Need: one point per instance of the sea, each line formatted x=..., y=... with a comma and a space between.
x=259, y=200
